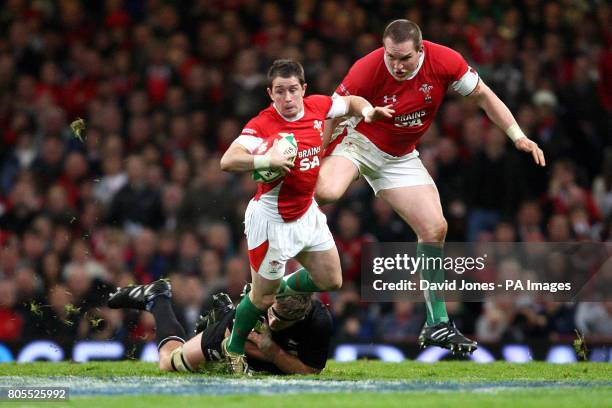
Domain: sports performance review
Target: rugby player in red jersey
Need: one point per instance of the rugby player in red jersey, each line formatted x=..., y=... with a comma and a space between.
x=283, y=221
x=413, y=76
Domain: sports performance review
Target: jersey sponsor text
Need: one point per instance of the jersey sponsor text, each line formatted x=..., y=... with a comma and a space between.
x=410, y=119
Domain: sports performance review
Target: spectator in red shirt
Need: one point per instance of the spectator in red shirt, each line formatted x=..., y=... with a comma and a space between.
x=11, y=322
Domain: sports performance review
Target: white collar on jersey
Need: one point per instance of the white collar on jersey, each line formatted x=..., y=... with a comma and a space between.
x=416, y=71
x=299, y=115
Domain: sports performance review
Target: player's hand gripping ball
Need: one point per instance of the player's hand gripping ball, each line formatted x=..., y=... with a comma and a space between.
x=287, y=146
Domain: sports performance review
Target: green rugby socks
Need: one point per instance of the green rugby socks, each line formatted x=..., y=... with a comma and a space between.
x=299, y=281
x=247, y=315
x=434, y=300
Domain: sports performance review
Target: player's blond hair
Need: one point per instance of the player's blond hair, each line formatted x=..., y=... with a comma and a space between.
x=293, y=307
x=402, y=30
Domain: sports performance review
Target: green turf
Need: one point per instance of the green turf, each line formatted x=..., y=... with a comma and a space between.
x=529, y=398
x=358, y=370
x=596, y=394
x=468, y=371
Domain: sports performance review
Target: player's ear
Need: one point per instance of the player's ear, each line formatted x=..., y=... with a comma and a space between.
x=304, y=88
x=270, y=93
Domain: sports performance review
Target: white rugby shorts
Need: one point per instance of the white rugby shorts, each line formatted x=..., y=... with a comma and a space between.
x=272, y=243
x=382, y=170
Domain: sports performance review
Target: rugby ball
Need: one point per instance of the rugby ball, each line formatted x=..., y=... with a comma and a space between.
x=287, y=145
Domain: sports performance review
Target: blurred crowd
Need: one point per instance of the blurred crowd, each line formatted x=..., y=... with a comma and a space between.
x=165, y=87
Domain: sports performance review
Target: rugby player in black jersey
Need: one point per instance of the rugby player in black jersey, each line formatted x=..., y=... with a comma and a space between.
x=293, y=338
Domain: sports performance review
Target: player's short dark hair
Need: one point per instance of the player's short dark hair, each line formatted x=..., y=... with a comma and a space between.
x=286, y=68
x=293, y=307
x=400, y=31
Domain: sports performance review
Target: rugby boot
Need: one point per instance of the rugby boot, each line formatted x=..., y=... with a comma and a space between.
x=139, y=296
x=236, y=363
x=446, y=335
x=221, y=305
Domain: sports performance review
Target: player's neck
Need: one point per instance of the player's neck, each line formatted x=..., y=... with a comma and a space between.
x=298, y=116
x=412, y=75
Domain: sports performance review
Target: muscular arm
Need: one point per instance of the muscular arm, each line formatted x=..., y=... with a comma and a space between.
x=238, y=159
x=357, y=106
x=264, y=348
x=251, y=350
x=290, y=364
x=495, y=109
x=499, y=114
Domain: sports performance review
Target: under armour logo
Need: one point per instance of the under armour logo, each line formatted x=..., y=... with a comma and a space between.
x=318, y=125
x=389, y=99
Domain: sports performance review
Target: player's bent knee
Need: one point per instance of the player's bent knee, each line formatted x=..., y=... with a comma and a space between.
x=327, y=193
x=442, y=229
x=333, y=283
x=263, y=302
x=434, y=231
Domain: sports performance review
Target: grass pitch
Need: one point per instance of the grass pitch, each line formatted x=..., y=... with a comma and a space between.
x=356, y=384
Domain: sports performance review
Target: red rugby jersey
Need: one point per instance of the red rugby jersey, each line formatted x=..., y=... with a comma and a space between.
x=415, y=100
x=288, y=198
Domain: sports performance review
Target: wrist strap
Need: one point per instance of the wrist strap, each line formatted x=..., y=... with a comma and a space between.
x=515, y=133
x=366, y=111
x=261, y=161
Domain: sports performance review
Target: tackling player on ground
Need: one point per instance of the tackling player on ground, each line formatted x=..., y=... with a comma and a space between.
x=293, y=339
x=413, y=75
x=283, y=221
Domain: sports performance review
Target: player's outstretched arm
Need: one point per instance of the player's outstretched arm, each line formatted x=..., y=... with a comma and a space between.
x=290, y=364
x=238, y=159
x=273, y=353
x=358, y=106
x=499, y=114
x=251, y=350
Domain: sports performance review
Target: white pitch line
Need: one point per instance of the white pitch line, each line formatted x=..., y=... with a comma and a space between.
x=194, y=385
